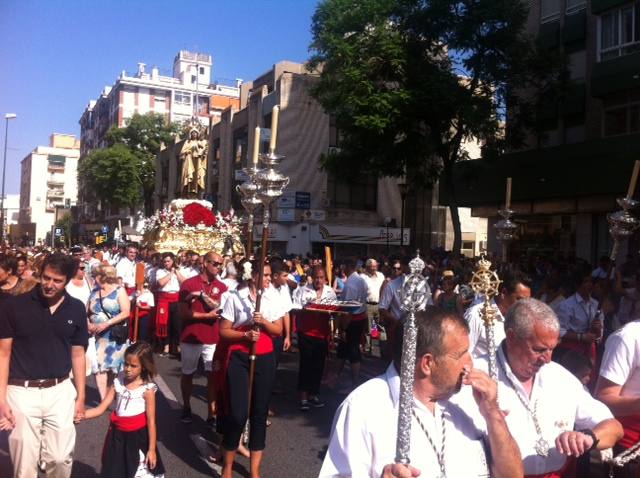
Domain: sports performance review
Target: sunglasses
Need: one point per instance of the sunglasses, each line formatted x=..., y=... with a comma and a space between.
x=397, y=268
x=214, y=263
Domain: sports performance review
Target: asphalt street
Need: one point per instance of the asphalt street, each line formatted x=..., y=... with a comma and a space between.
x=296, y=441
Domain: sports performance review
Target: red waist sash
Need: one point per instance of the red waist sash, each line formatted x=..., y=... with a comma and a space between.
x=357, y=317
x=568, y=470
x=263, y=346
x=631, y=426
x=162, y=312
x=128, y=424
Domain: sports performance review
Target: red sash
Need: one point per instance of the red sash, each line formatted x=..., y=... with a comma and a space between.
x=162, y=312
x=357, y=317
x=130, y=290
x=128, y=424
x=568, y=470
x=631, y=426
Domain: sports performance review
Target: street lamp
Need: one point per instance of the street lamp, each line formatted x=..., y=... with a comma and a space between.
x=7, y=117
x=403, y=187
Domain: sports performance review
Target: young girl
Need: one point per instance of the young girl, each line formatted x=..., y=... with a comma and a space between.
x=130, y=446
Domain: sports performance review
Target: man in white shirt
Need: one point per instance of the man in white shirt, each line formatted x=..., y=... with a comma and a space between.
x=458, y=429
x=619, y=382
x=390, y=303
x=549, y=412
x=126, y=269
x=374, y=280
x=355, y=289
x=514, y=287
x=581, y=320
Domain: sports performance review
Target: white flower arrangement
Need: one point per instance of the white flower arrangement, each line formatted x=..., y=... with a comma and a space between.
x=246, y=271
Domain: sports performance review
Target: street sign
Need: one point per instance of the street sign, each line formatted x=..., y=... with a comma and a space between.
x=104, y=229
x=287, y=200
x=58, y=231
x=265, y=135
x=303, y=200
x=286, y=215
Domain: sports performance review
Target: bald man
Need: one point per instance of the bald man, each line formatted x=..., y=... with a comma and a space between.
x=199, y=309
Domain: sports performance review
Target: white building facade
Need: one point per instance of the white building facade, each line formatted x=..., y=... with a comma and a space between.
x=48, y=180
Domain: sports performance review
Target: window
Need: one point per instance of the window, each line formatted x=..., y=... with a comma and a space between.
x=202, y=70
x=549, y=10
x=181, y=98
x=622, y=118
x=361, y=193
x=194, y=79
x=619, y=31
x=575, y=5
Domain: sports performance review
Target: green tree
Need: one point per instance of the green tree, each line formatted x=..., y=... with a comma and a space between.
x=408, y=81
x=143, y=136
x=113, y=174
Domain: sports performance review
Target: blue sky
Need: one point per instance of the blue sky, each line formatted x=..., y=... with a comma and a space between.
x=57, y=55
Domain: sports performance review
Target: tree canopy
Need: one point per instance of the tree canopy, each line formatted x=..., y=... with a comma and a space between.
x=113, y=175
x=144, y=135
x=408, y=81
x=124, y=173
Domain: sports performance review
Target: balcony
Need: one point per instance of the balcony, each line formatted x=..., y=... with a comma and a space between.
x=55, y=193
x=53, y=167
x=55, y=181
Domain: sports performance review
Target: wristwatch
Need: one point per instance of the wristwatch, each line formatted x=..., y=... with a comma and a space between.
x=589, y=432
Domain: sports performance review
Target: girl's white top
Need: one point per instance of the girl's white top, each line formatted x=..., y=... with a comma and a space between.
x=131, y=402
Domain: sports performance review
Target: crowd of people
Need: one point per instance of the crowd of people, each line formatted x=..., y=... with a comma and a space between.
x=568, y=356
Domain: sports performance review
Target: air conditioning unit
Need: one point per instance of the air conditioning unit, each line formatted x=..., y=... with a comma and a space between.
x=333, y=150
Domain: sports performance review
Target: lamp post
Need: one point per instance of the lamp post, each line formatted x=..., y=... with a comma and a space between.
x=403, y=187
x=7, y=117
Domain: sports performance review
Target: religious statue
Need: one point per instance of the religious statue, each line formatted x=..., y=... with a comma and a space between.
x=194, y=164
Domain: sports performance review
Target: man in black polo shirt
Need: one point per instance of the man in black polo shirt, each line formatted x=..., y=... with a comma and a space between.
x=43, y=335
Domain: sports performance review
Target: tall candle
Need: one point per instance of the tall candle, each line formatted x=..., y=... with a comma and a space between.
x=634, y=180
x=274, y=127
x=256, y=145
x=507, y=201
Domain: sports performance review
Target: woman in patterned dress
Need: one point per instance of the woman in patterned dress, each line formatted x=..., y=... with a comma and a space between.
x=108, y=305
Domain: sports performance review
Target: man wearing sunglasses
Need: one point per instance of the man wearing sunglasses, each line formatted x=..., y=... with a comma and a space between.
x=199, y=308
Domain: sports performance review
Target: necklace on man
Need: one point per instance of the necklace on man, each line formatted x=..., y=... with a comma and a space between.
x=439, y=455
x=542, y=446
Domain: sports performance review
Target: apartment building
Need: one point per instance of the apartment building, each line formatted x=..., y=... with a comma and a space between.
x=568, y=177
x=187, y=93
x=48, y=180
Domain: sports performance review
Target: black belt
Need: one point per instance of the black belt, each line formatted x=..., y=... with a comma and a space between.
x=372, y=303
x=38, y=383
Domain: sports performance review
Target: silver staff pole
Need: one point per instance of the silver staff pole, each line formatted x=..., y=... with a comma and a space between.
x=414, y=295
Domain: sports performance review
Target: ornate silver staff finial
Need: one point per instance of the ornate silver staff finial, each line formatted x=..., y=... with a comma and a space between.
x=622, y=224
x=486, y=283
x=414, y=295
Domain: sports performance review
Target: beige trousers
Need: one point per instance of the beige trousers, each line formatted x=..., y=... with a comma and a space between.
x=44, y=436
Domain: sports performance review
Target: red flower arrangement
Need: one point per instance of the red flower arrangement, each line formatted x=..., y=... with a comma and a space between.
x=194, y=214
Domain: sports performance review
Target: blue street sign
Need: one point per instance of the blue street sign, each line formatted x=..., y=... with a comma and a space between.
x=105, y=229
x=303, y=200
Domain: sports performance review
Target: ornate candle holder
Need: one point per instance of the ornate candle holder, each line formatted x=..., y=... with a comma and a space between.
x=486, y=283
x=270, y=182
x=248, y=191
x=622, y=224
x=505, y=230
x=414, y=295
